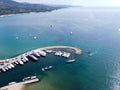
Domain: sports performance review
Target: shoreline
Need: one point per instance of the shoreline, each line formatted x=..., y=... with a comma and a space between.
x=17, y=86
x=8, y=15
x=76, y=50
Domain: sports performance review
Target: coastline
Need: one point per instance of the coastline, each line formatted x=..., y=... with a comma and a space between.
x=8, y=15
x=17, y=86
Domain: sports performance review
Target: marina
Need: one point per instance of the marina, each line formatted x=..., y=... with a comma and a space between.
x=33, y=55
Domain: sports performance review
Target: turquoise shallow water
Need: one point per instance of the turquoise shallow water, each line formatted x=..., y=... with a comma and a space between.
x=94, y=29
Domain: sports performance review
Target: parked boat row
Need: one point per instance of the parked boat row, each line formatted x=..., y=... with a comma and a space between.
x=58, y=53
x=7, y=67
x=29, y=78
x=21, y=60
x=11, y=65
x=33, y=55
x=36, y=54
x=64, y=54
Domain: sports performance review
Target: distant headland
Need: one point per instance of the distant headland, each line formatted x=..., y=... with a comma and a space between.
x=8, y=7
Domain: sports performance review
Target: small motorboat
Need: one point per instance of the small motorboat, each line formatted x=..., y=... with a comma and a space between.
x=47, y=68
x=70, y=61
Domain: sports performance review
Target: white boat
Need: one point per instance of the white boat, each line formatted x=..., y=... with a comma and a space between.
x=9, y=67
x=29, y=78
x=6, y=68
x=23, y=60
x=91, y=53
x=26, y=58
x=33, y=57
x=16, y=62
x=42, y=53
x=58, y=53
x=47, y=68
x=49, y=51
x=12, y=65
x=36, y=54
x=66, y=54
x=70, y=61
x=3, y=69
x=11, y=83
x=71, y=33
x=20, y=62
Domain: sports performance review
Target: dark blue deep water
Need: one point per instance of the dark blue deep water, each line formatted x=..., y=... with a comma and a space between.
x=94, y=29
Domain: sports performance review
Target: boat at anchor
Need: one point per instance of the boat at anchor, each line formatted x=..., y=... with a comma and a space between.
x=70, y=61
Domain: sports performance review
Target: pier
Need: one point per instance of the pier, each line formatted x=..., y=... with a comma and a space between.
x=19, y=85
x=10, y=63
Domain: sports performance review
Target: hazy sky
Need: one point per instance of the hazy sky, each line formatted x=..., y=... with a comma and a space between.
x=77, y=2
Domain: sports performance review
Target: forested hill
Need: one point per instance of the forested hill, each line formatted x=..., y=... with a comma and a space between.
x=12, y=7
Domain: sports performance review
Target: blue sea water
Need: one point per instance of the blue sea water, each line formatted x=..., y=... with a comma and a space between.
x=94, y=29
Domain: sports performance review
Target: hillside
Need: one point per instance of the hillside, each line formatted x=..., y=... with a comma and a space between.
x=12, y=7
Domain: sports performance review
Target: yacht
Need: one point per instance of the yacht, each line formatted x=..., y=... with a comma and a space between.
x=20, y=62
x=26, y=58
x=12, y=65
x=49, y=51
x=66, y=54
x=58, y=53
x=36, y=54
x=23, y=60
x=70, y=61
x=33, y=57
x=11, y=83
x=42, y=53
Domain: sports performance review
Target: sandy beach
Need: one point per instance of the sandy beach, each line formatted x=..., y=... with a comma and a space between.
x=17, y=86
